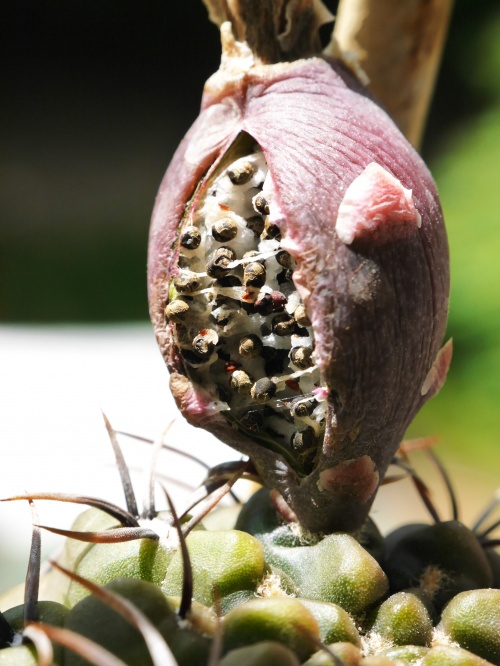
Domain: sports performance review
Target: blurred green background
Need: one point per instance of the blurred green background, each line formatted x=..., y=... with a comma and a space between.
x=96, y=95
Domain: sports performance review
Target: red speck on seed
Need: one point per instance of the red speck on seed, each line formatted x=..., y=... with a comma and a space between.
x=223, y=207
x=292, y=384
x=231, y=366
x=247, y=296
x=203, y=332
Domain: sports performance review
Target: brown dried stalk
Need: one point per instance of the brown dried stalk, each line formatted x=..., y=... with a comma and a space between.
x=399, y=45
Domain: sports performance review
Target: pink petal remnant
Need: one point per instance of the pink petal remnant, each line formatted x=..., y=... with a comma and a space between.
x=377, y=207
x=357, y=478
x=321, y=393
x=436, y=376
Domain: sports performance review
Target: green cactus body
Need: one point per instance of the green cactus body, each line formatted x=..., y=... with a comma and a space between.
x=49, y=612
x=443, y=559
x=266, y=653
x=407, y=654
x=380, y=660
x=21, y=655
x=93, y=619
x=403, y=619
x=472, y=619
x=335, y=624
x=278, y=591
x=277, y=618
x=144, y=559
x=446, y=655
x=337, y=569
x=225, y=562
x=346, y=652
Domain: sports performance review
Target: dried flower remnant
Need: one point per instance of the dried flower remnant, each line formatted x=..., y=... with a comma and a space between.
x=336, y=262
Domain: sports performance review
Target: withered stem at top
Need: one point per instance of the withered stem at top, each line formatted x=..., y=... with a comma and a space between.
x=399, y=46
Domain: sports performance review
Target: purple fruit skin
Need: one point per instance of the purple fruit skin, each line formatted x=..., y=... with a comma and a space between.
x=378, y=309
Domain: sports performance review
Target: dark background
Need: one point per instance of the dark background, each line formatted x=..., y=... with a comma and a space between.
x=96, y=95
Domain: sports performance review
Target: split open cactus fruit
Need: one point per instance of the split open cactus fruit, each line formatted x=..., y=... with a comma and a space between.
x=298, y=287
x=298, y=269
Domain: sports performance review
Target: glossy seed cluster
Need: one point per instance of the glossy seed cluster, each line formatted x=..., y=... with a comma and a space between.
x=237, y=318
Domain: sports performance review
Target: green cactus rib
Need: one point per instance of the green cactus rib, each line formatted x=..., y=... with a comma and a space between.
x=283, y=596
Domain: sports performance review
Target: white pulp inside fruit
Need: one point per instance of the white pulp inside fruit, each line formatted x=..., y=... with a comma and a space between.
x=223, y=314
